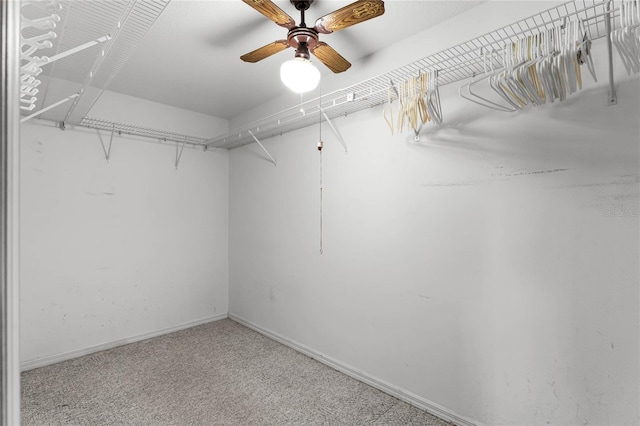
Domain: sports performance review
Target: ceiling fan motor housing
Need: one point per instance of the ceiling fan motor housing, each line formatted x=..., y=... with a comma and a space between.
x=302, y=4
x=302, y=39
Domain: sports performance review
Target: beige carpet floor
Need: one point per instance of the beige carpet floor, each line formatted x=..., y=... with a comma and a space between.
x=220, y=373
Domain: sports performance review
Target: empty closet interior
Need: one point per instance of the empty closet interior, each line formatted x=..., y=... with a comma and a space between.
x=453, y=220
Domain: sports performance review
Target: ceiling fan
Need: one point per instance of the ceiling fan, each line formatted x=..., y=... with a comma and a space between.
x=305, y=39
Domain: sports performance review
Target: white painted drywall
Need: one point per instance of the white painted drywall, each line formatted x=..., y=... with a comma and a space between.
x=115, y=250
x=491, y=268
x=119, y=108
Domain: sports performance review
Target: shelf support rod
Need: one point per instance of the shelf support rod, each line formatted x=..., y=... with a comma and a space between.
x=326, y=117
x=263, y=148
x=43, y=110
x=613, y=98
x=77, y=49
x=107, y=151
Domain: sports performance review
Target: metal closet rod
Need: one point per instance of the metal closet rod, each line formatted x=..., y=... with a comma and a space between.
x=454, y=64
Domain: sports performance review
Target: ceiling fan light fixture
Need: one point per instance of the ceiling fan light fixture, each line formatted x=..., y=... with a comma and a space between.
x=300, y=75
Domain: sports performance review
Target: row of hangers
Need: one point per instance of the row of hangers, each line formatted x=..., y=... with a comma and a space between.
x=419, y=101
x=626, y=39
x=30, y=64
x=535, y=70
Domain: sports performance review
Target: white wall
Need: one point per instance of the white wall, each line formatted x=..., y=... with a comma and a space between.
x=491, y=268
x=117, y=250
x=119, y=108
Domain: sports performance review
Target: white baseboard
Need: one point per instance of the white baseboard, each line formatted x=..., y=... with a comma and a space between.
x=52, y=359
x=404, y=395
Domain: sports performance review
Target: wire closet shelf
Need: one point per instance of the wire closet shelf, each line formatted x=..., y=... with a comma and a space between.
x=147, y=132
x=453, y=64
x=67, y=66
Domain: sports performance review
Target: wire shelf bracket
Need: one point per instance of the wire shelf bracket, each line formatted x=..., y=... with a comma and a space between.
x=179, y=150
x=326, y=117
x=43, y=110
x=106, y=149
x=263, y=148
x=612, y=96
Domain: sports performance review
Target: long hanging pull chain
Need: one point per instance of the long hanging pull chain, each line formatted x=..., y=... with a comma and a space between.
x=320, y=149
x=320, y=146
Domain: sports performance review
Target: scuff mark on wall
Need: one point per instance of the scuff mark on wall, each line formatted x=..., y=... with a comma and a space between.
x=534, y=172
x=96, y=194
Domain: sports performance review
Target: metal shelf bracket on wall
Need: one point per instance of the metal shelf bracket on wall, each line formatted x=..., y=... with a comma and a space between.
x=43, y=110
x=179, y=150
x=263, y=148
x=106, y=150
x=326, y=117
x=612, y=97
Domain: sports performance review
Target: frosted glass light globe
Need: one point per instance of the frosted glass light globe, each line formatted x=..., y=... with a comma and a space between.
x=300, y=75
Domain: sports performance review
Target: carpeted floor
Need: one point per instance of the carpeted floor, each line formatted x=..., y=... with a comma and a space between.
x=220, y=373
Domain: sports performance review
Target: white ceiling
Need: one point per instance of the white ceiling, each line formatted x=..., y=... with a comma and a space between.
x=191, y=56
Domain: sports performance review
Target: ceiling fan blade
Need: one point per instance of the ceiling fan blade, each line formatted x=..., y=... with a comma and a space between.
x=357, y=12
x=272, y=12
x=265, y=51
x=332, y=59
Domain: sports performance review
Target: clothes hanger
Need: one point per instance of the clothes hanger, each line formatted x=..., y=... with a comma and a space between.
x=387, y=113
x=576, y=59
x=476, y=98
x=433, y=103
x=526, y=72
x=574, y=42
x=559, y=69
x=585, y=50
x=412, y=103
x=543, y=67
x=536, y=54
x=507, y=80
x=423, y=94
x=502, y=82
x=623, y=39
x=403, y=114
x=630, y=35
x=569, y=69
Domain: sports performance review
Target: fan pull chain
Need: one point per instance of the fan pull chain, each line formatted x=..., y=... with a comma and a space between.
x=320, y=146
x=320, y=149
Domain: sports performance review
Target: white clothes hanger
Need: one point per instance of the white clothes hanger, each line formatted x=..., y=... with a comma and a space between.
x=433, y=102
x=626, y=38
x=585, y=51
x=476, y=98
x=505, y=82
x=387, y=113
x=538, y=68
